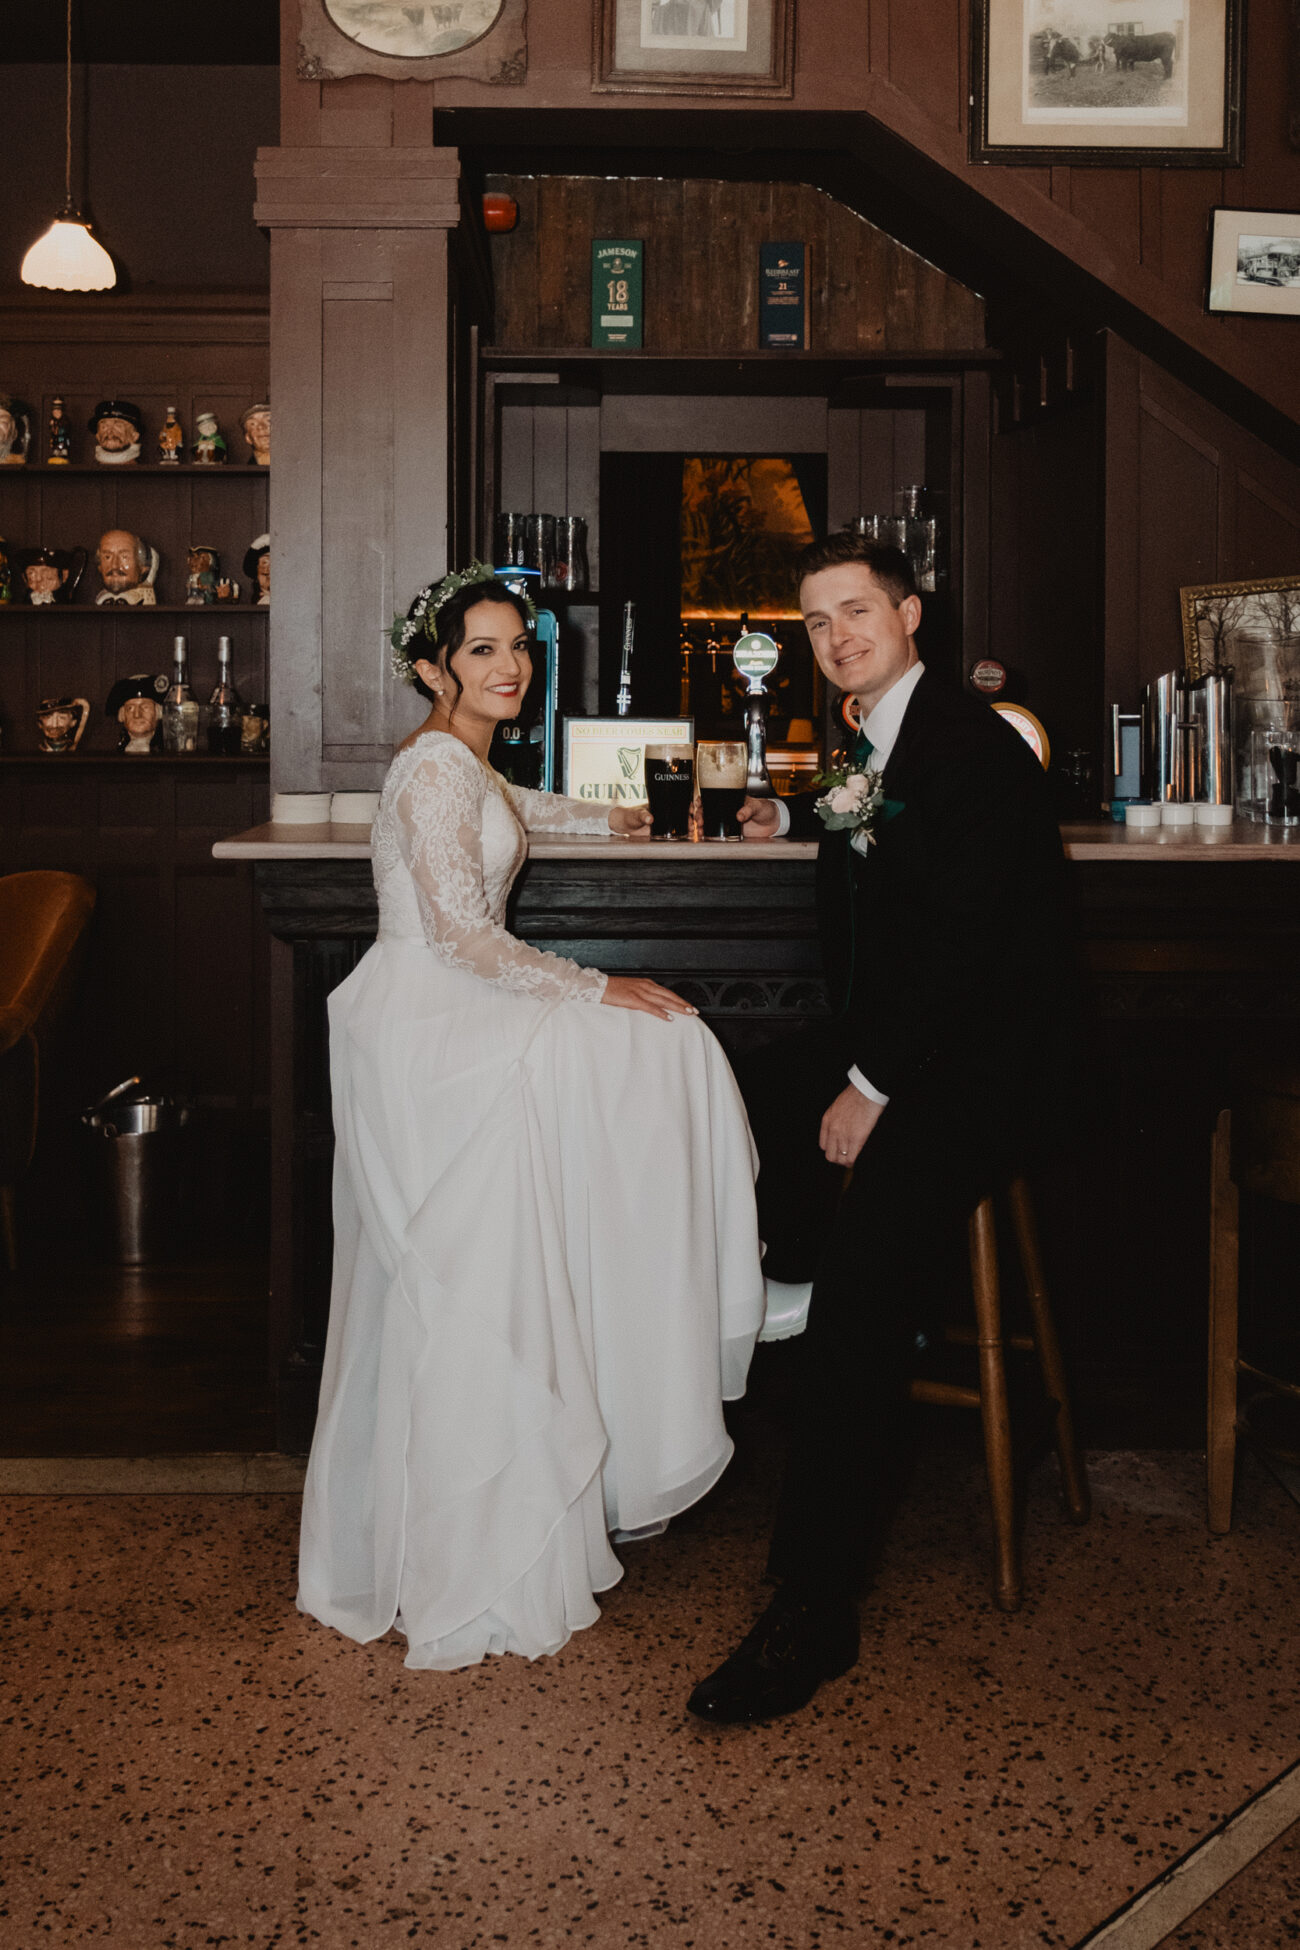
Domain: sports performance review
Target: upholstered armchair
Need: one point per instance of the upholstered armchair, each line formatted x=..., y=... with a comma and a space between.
x=42, y=918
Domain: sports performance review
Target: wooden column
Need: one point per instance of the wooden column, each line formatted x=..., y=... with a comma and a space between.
x=360, y=289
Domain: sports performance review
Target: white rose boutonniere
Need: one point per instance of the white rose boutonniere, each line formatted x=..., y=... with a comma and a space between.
x=853, y=801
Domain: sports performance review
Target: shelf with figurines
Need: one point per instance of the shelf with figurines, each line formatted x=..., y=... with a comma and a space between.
x=155, y=718
x=132, y=759
x=118, y=429
x=184, y=471
x=44, y=581
x=118, y=612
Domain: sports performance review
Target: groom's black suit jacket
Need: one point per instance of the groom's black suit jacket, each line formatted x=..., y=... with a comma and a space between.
x=948, y=951
x=950, y=964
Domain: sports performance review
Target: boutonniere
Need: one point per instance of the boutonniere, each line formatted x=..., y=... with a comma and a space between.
x=853, y=801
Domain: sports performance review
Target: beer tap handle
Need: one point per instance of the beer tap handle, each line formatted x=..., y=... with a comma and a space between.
x=624, y=699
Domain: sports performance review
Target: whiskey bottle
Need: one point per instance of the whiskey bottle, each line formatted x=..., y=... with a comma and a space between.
x=225, y=708
x=180, y=713
x=171, y=438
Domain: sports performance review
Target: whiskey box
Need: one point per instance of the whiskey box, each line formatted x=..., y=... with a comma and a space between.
x=782, y=312
x=617, y=267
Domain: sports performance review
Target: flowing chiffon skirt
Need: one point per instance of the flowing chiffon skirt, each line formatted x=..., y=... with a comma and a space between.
x=546, y=1282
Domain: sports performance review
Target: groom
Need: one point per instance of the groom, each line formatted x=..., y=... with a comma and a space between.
x=951, y=978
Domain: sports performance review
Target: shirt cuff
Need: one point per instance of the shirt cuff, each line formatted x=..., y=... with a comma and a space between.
x=859, y=1082
x=782, y=820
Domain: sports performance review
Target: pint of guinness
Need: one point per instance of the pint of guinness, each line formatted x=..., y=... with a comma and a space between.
x=669, y=788
x=723, y=766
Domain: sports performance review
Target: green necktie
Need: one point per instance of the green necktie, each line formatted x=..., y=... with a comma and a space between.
x=862, y=749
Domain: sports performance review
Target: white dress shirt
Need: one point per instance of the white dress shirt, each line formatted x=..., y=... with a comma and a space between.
x=881, y=726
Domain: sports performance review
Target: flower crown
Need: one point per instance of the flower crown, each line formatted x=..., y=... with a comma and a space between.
x=423, y=617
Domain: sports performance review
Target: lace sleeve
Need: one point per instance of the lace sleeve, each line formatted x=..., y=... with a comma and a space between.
x=551, y=812
x=439, y=813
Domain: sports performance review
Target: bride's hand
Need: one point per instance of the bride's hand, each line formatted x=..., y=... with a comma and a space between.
x=630, y=822
x=639, y=992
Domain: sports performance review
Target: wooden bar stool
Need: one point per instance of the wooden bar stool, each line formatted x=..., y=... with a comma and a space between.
x=1256, y=1149
x=991, y=1397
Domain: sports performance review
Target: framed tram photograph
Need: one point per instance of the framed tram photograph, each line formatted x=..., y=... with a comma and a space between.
x=694, y=47
x=1255, y=261
x=1098, y=81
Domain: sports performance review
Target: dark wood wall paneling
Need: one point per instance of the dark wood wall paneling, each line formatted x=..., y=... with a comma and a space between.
x=1190, y=497
x=163, y=158
x=865, y=292
x=174, y=985
x=901, y=67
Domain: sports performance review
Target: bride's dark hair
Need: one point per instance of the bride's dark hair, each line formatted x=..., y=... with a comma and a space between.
x=450, y=627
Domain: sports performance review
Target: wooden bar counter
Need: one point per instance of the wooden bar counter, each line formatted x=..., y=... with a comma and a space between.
x=1192, y=939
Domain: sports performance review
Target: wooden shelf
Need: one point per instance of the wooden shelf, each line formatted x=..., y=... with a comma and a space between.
x=116, y=610
x=602, y=370
x=74, y=759
x=185, y=471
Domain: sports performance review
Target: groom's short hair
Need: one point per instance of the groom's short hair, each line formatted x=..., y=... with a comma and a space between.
x=889, y=566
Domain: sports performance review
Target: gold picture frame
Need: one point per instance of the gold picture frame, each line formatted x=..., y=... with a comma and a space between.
x=1252, y=626
x=693, y=47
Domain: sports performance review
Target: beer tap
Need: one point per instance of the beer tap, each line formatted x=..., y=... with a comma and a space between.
x=623, y=703
x=756, y=656
x=684, y=689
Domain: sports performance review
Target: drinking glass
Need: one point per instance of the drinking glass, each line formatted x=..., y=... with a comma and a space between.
x=571, y=570
x=669, y=789
x=1275, y=774
x=508, y=541
x=539, y=547
x=722, y=766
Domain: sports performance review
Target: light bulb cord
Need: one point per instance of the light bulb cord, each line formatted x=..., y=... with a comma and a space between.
x=67, y=155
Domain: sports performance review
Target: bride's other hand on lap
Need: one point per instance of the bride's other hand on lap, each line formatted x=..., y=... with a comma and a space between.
x=630, y=822
x=639, y=992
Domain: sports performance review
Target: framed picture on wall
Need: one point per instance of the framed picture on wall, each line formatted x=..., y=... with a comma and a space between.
x=1100, y=81
x=1255, y=261
x=482, y=40
x=694, y=47
x=1254, y=627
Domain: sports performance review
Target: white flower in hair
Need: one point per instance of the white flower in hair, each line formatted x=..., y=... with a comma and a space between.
x=423, y=617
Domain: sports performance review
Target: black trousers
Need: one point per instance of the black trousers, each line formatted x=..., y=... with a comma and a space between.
x=882, y=1255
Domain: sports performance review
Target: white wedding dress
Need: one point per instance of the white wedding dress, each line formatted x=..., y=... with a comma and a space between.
x=546, y=1263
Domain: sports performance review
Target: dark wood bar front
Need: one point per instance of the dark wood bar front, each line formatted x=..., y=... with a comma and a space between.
x=1193, y=948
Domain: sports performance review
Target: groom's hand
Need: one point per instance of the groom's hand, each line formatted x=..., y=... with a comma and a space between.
x=759, y=819
x=847, y=1125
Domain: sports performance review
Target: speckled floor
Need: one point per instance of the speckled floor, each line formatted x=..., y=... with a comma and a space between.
x=1257, y=1910
x=196, y=1765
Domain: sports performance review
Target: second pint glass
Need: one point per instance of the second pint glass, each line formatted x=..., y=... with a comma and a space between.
x=723, y=767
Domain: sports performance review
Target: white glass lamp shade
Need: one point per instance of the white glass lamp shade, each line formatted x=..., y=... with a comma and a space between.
x=67, y=258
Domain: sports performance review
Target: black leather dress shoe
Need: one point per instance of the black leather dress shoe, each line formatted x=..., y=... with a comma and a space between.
x=796, y=1644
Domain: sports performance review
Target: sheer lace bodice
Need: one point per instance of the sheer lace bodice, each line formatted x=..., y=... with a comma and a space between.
x=448, y=841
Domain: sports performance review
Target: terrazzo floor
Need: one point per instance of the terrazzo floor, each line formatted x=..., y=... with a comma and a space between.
x=1259, y=1906
x=194, y=1764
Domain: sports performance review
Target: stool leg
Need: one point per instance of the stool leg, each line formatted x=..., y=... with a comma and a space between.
x=1074, y=1477
x=995, y=1412
x=1221, y=1417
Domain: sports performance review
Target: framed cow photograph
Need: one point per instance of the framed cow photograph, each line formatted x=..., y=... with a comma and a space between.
x=1106, y=81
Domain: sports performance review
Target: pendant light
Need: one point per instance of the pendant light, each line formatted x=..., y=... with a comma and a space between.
x=67, y=258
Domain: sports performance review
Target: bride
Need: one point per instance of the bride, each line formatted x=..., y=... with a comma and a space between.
x=546, y=1262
